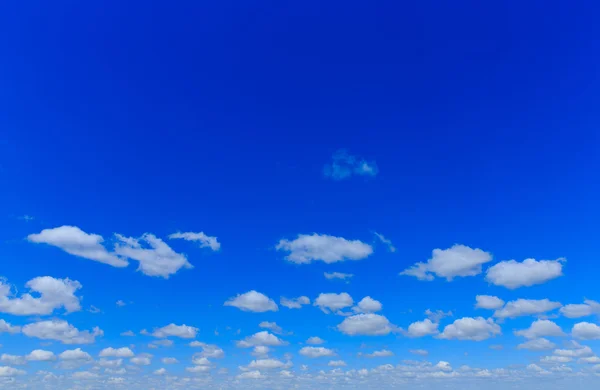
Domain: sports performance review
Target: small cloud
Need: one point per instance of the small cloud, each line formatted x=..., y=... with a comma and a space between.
x=26, y=218
x=120, y=303
x=345, y=165
x=203, y=240
x=386, y=241
x=93, y=309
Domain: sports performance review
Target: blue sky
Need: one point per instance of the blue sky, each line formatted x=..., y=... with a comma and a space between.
x=188, y=169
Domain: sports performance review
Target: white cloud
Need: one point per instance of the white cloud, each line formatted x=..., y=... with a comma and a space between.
x=158, y=259
x=333, y=302
x=128, y=334
x=438, y=315
x=512, y=274
x=62, y=331
x=420, y=352
x=209, y=350
x=123, y=352
x=315, y=340
x=267, y=364
x=39, y=355
x=336, y=363
x=457, y=261
x=422, y=328
x=589, y=360
x=12, y=360
x=110, y=363
x=576, y=351
x=337, y=275
x=387, y=242
x=474, y=329
x=76, y=242
x=537, y=345
x=260, y=351
x=160, y=371
x=74, y=354
x=142, y=360
x=200, y=360
x=120, y=303
x=84, y=375
x=6, y=327
x=321, y=247
x=382, y=353
x=263, y=338
x=488, y=302
x=368, y=305
x=169, y=360
x=526, y=307
x=251, y=375
x=197, y=369
x=252, y=301
x=172, y=330
x=587, y=308
x=366, y=324
x=204, y=240
x=316, y=352
x=272, y=326
x=344, y=165
x=586, y=331
x=541, y=328
x=294, y=303
x=10, y=371
x=53, y=294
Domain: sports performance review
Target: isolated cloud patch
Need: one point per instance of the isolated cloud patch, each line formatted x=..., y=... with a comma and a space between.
x=202, y=239
x=252, y=301
x=422, y=328
x=60, y=330
x=321, y=247
x=367, y=324
x=586, y=331
x=386, y=241
x=337, y=275
x=488, y=302
x=473, y=329
x=526, y=307
x=294, y=303
x=585, y=309
x=331, y=302
x=263, y=338
x=457, y=261
x=512, y=274
x=172, y=330
x=316, y=352
x=344, y=165
x=53, y=294
x=541, y=328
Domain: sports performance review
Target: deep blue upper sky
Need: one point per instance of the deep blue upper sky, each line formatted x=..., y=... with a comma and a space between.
x=158, y=117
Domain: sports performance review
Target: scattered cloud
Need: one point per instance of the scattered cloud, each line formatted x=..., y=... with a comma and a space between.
x=586, y=331
x=367, y=325
x=587, y=308
x=315, y=340
x=474, y=329
x=40, y=355
x=62, y=331
x=6, y=327
x=294, y=303
x=172, y=330
x=331, y=302
x=272, y=326
x=336, y=363
x=422, y=329
x=337, y=275
x=121, y=303
x=540, y=344
x=512, y=274
x=53, y=294
x=541, y=328
x=208, y=350
x=321, y=247
x=263, y=338
x=526, y=307
x=368, y=305
x=204, y=240
x=438, y=315
x=385, y=241
x=457, y=261
x=123, y=352
x=268, y=364
x=252, y=301
x=75, y=354
x=488, y=302
x=316, y=352
x=420, y=352
x=382, y=353
x=344, y=165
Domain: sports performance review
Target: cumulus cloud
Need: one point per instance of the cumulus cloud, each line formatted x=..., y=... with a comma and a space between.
x=540, y=344
x=123, y=352
x=488, y=302
x=337, y=275
x=368, y=305
x=263, y=338
x=387, y=242
x=76, y=242
x=420, y=352
x=62, y=331
x=367, y=324
x=333, y=302
x=251, y=375
x=587, y=308
x=321, y=247
x=344, y=165
x=316, y=352
x=267, y=364
x=457, y=261
x=252, y=301
x=541, y=328
x=75, y=354
x=382, y=353
x=155, y=257
x=201, y=238
x=208, y=350
x=526, y=307
x=172, y=330
x=12, y=360
x=336, y=363
x=272, y=326
x=422, y=328
x=315, y=340
x=53, y=294
x=40, y=355
x=6, y=371
x=575, y=350
x=512, y=274
x=474, y=329
x=141, y=360
x=6, y=327
x=586, y=331
x=294, y=303
x=169, y=360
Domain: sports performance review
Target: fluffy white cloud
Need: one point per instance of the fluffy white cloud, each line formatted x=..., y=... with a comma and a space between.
x=74, y=354
x=157, y=259
x=110, y=363
x=586, y=331
x=336, y=363
x=333, y=302
x=366, y=324
x=368, y=305
x=321, y=247
x=316, y=352
x=575, y=351
x=263, y=338
x=160, y=371
x=541, y=328
x=142, y=360
x=252, y=301
x=587, y=308
x=76, y=242
x=53, y=294
x=251, y=375
x=6, y=327
x=512, y=274
x=204, y=240
x=62, y=331
x=294, y=303
x=123, y=352
x=272, y=326
x=208, y=350
x=40, y=355
x=169, y=360
x=267, y=364
x=344, y=165
x=172, y=330
x=457, y=261
x=589, y=360
x=337, y=275
x=10, y=371
x=474, y=329
x=420, y=352
x=422, y=328
x=200, y=360
x=387, y=242
x=12, y=360
x=526, y=307
x=315, y=340
x=260, y=351
x=438, y=315
x=382, y=353
x=537, y=345
x=488, y=302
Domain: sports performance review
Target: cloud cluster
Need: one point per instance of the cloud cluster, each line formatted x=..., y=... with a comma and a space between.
x=53, y=294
